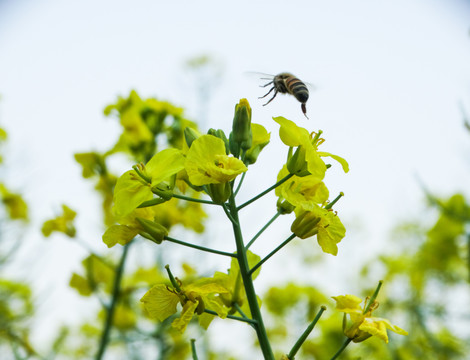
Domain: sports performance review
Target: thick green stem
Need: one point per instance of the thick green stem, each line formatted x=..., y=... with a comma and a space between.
x=112, y=306
x=248, y=283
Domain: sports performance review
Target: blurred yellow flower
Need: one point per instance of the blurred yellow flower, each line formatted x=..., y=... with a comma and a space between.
x=364, y=325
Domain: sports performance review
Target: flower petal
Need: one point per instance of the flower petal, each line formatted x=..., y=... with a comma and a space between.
x=159, y=302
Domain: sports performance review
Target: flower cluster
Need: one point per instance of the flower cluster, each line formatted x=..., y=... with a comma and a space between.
x=304, y=190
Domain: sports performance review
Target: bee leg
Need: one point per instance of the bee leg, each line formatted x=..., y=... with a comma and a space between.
x=275, y=93
x=261, y=97
x=269, y=83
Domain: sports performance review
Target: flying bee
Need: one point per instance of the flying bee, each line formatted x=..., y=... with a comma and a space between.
x=286, y=83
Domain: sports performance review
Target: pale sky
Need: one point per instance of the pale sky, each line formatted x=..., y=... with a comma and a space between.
x=389, y=74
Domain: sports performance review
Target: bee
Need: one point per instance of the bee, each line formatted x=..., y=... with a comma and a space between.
x=286, y=83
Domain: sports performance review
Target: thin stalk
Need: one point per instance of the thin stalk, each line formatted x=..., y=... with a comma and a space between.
x=112, y=306
x=338, y=353
x=239, y=184
x=202, y=248
x=374, y=296
x=187, y=198
x=248, y=283
x=468, y=256
x=330, y=205
x=193, y=349
x=283, y=180
x=262, y=230
x=305, y=334
x=240, y=311
x=288, y=240
x=233, y=317
x=229, y=215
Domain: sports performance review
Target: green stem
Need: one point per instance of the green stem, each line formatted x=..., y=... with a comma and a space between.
x=193, y=349
x=283, y=180
x=202, y=248
x=112, y=306
x=306, y=333
x=239, y=184
x=330, y=205
x=468, y=256
x=374, y=296
x=288, y=240
x=233, y=317
x=173, y=281
x=248, y=284
x=338, y=353
x=187, y=198
x=141, y=174
x=229, y=215
x=262, y=230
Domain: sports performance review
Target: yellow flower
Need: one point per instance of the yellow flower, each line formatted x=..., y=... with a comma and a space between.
x=132, y=190
x=136, y=222
x=323, y=223
x=304, y=192
x=232, y=281
x=364, y=325
x=293, y=135
x=207, y=162
x=161, y=302
x=62, y=223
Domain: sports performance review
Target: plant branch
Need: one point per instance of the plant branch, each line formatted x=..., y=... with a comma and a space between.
x=288, y=240
x=283, y=180
x=305, y=334
x=202, y=248
x=233, y=317
x=248, y=283
x=338, y=353
x=112, y=306
x=262, y=230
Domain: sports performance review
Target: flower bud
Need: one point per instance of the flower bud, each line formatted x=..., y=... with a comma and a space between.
x=241, y=127
x=305, y=225
x=152, y=230
x=163, y=190
x=219, y=193
x=190, y=135
x=221, y=135
x=284, y=207
x=297, y=164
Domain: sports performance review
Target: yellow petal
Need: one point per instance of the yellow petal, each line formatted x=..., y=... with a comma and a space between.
x=186, y=315
x=159, y=302
x=348, y=303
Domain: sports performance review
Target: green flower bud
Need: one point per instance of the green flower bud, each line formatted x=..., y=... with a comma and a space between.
x=163, y=190
x=284, y=207
x=219, y=193
x=305, y=225
x=297, y=164
x=152, y=230
x=234, y=146
x=241, y=127
x=221, y=135
x=190, y=135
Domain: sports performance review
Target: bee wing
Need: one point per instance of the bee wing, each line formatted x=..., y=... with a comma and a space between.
x=259, y=75
x=311, y=86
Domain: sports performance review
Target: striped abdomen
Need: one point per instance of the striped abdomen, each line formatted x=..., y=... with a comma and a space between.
x=297, y=88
